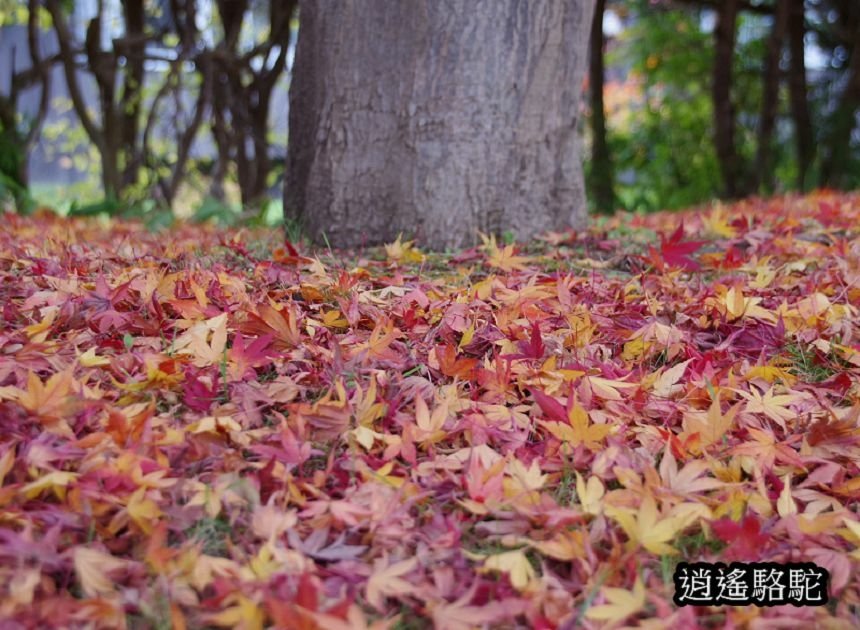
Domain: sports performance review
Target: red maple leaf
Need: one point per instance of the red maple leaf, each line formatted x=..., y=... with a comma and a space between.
x=675, y=253
x=244, y=358
x=745, y=539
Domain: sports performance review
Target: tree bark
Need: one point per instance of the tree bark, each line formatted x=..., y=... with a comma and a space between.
x=803, y=132
x=724, y=111
x=437, y=120
x=133, y=48
x=601, y=159
x=770, y=96
x=243, y=95
x=837, y=149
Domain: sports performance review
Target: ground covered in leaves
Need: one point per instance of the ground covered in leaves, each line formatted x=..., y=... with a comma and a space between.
x=203, y=428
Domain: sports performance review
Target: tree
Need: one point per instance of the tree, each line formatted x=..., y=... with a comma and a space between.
x=243, y=86
x=601, y=159
x=436, y=119
x=804, y=135
x=18, y=133
x=838, y=165
x=770, y=95
x=724, y=109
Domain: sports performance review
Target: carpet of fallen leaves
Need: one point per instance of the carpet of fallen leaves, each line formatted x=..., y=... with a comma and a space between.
x=207, y=428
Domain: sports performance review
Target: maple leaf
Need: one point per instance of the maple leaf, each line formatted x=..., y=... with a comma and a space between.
x=745, y=539
x=403, y=251
x=503, y=258
x=676, y=253
x=666, y=383
x=387, y=581
x=645, y=527
x=316, y=546
x=534, y=348
x=449, y=364
x=205, y=342
x=57, y=481
x=463, y=615
x=328, y=417
x=622, y=603
x=515, y=564
x=101, y=305
x=429, y=425
x=765, y=450
x=687, y=480
x=243, y=614
x=590, y=494
x=282, y=325
x=242, y=359
x=143, y=510
x=785, y=504
x=774, y=406
x=50, y=401
x=605, y=388
x=708, y=427
x=199, y=393
x=576, y=428
x=378, y=346
x=739, y=306
x=93, y=568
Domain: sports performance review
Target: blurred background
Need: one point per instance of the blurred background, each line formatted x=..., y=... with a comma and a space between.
x=156, y=108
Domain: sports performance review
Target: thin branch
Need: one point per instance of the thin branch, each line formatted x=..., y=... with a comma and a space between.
x=64, y=39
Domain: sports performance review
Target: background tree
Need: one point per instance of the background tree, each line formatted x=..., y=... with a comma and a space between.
x=600, y=167
x=243, y=86
x=19, y=133
x=437, y=120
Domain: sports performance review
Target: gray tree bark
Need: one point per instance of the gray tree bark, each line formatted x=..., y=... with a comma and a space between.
x=436, y=119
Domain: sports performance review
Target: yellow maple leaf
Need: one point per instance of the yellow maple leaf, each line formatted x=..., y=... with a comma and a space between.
x=403, y=251
x=430, y=425
x=7, y=460
x=245, y=614
x=717, y=222
x=738, y=306
x=91, y=359
x=50, y=401
x=515, y=563
x=502, y=257
x=205, y=342
x=143, y=510
x=580, y=430
x=57, y=481
x=607, y=389
x=37, y=333
x=645, y=527
x=785, y=504
x=565, y=545
x=590, y=494
x=710, y=426
x=622, y=603
x=521, y=480
x=92, y=567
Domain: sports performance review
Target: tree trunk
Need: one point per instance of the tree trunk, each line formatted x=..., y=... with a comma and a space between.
x=837, y=149
x=601, y=159
x=770, y=96
x=133, y=48
x=724, y=111
x=804, y=136
x=437, y=119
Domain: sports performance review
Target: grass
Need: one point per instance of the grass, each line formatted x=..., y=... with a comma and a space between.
x=212, y=533
x=806, y=365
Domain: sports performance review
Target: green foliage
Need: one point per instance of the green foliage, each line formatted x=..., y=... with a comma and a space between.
x=661, y=136
x=667, y=145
